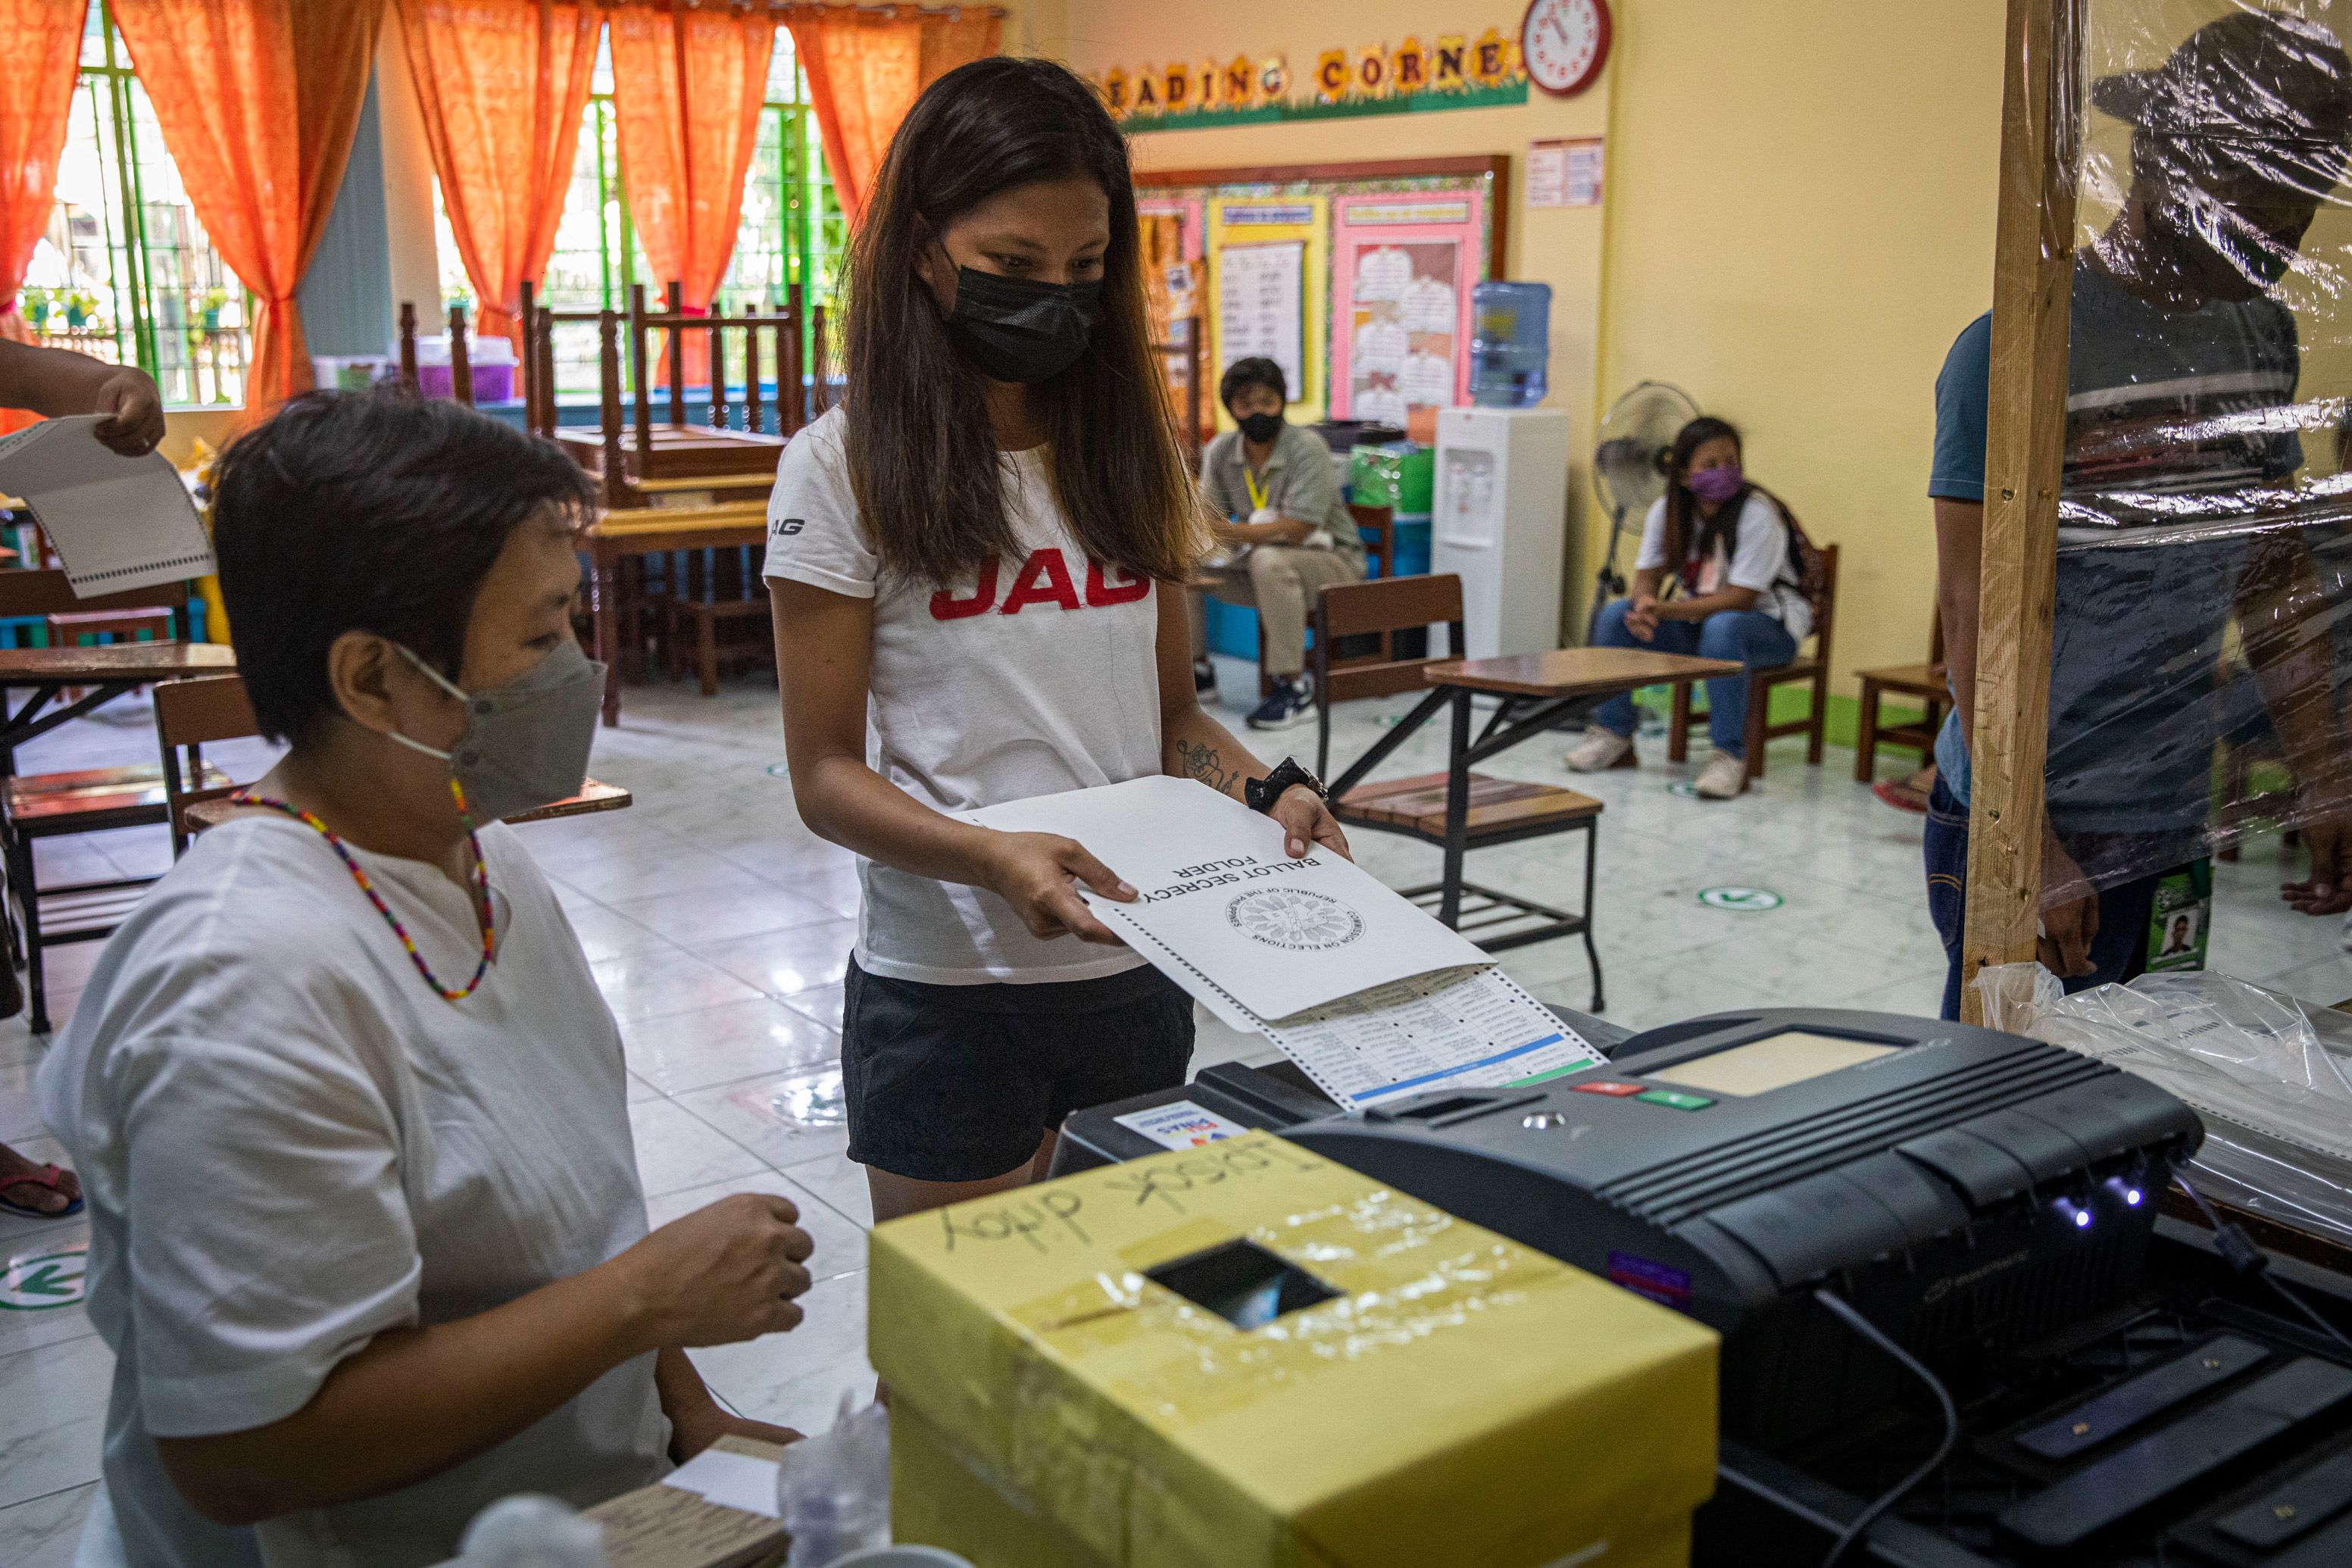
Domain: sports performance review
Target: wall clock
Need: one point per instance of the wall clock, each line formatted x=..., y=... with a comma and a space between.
x=1564, y=44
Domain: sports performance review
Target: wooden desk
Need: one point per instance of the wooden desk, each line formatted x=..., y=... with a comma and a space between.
x=106, y=673
x=1567, y=672
x=1459, y=810
x=593, y=797
x=654, y=530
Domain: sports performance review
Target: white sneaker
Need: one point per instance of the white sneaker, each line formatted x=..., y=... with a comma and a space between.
x=1724, y=777
x=1600, y=751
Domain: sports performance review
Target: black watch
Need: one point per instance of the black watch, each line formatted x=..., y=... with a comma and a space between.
x=1261, y=793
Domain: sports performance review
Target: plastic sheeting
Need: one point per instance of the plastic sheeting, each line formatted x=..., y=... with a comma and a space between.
x=2205, y=545
x=2270, y=1076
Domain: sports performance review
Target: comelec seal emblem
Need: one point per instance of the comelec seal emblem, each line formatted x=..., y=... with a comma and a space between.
x=1295, y=919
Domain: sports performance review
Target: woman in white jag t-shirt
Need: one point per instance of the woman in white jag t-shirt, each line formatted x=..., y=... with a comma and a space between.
x=982, y=553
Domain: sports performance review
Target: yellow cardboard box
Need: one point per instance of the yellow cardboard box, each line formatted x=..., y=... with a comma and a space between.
x=1457, y=1399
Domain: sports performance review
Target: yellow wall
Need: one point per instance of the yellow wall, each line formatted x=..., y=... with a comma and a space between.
x=1800, y=219
x=1561, y=246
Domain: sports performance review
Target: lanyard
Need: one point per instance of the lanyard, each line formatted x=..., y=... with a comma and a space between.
x=1257, y=491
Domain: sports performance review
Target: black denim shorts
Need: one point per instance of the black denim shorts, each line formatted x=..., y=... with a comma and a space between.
x=958, y=1083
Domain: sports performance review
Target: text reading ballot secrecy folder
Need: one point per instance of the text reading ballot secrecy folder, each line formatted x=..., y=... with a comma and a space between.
x=116, y=522
x=1366, y=993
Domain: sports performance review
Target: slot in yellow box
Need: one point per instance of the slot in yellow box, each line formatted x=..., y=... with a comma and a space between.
x=1352, y=1379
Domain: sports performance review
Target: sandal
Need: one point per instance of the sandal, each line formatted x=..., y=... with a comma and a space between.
x=49, y=1176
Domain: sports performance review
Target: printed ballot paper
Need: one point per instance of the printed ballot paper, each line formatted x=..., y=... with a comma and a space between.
x=117, y=523
x=1366, y=993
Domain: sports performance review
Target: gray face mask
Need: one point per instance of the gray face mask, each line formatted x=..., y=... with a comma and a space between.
x=526, y=742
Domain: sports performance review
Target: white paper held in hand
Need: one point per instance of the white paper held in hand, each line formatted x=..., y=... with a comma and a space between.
x=1217, y=886
x=117, y=523
x=1372, y=997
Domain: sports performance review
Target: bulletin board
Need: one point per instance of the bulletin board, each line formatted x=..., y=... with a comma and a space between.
x=1265, y=231
x=1268, y=290
x=1402, y=267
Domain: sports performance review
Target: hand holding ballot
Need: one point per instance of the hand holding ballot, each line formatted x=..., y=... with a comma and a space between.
x=1039, y=874
x=1284, y=937
x=56, y=383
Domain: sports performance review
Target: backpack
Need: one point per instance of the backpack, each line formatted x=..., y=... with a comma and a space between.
x=1805, y=562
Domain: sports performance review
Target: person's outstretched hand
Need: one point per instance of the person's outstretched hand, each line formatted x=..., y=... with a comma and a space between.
x=134, y=410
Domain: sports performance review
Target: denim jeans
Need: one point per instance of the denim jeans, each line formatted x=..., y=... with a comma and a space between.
x=2119, y=950
x=1756, y=640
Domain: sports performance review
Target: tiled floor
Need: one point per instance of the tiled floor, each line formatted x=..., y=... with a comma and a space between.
x=719, y=926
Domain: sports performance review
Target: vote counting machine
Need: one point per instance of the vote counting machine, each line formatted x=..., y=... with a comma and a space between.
x=1835, y=1192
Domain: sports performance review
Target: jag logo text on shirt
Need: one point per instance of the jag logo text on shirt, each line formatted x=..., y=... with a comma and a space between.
x=1043, y=579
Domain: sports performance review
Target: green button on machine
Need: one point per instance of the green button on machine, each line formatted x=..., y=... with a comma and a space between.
x=1676, y=1099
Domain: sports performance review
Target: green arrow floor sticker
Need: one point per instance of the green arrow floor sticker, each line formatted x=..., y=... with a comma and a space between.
x=45, y=1279
x=1684, y=788
x=1740, y=900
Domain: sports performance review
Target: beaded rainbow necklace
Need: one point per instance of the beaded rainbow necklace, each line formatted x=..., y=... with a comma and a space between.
x=482, y=909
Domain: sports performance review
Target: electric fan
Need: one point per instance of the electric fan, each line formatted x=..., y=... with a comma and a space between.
x=1626, y=475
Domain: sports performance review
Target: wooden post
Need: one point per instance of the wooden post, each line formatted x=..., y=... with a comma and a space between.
x=792, y=410
x=638, y=372
x=674, y=350
x=817, y=394
x=608, y=410
x=2033, y=266
x=717, y=370
x=751, y=420
x=408, y=345
x=461, y=369
x=529, y=368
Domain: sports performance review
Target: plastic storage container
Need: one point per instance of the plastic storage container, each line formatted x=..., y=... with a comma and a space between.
x=491, y=358
x=1510, y=346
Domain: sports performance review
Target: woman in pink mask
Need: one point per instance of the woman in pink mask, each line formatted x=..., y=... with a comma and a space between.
x=1718, y=576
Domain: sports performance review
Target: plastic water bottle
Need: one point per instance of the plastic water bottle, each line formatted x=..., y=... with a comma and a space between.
x=833, y=1491
x=1510, y=348
x=529, y=1531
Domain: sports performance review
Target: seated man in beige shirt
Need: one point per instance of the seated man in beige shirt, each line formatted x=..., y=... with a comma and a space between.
x=1284, y=530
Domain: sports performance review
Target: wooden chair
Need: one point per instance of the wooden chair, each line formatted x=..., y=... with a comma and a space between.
x=153, y=623
x=38, y=806
x=719, y=616
x=642, y=459
x=1381, y=551
x=461, y=365
x=1925, y=684
x=1814, y=670
x=1381, y=607
x=189, y=716
x=1501, y=811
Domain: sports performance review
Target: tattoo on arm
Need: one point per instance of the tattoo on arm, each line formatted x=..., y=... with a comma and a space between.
x=1201, y=761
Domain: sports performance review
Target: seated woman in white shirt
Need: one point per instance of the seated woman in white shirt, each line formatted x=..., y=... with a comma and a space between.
x=366, y=1236
x=1726, y=546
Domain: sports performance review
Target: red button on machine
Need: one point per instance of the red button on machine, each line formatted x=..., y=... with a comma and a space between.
x=1605, y=1087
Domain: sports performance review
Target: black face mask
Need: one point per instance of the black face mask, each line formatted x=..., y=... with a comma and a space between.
x=1015, y=329
x=1260, y=427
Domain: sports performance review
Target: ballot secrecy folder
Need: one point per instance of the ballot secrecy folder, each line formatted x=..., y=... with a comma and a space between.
x=116, y=522
x=1372, y=997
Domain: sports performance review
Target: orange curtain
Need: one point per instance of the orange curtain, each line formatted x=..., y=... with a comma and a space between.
x=501, y=84
x=686, y=90
x=864, y=70
x=257, y=101
x=41, y=41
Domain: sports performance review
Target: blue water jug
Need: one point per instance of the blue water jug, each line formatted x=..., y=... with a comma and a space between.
x=1511, y=346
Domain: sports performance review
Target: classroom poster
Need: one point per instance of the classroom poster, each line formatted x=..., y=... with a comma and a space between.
x=1403, y=267
x=1173, y=244
x=1268, y=268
